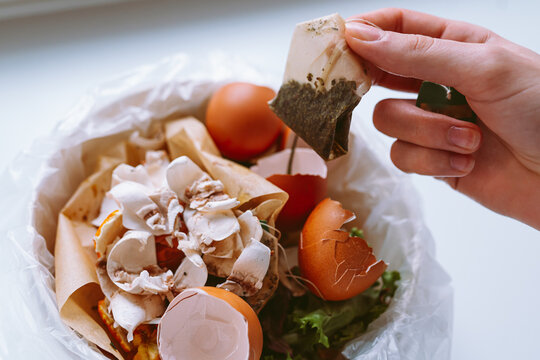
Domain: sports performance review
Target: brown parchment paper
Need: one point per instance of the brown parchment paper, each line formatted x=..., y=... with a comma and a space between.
x=77, y=286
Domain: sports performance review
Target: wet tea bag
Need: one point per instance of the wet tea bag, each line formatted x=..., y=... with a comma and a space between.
x=323, y=82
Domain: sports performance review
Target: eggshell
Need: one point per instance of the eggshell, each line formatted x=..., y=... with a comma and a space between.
x=337, y=265
x=240, y=121
x=306, y=185
x=209, y=323
x=108, y=232
x=132, y=263
x=255, y=333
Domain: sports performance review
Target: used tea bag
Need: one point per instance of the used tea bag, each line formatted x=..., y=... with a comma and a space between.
x=324, y=81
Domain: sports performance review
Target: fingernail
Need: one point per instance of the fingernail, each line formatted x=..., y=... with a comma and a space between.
x=363, y=31
x=461, y=163
x=463, y=137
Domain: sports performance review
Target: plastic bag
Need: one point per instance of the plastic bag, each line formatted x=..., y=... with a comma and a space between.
x=418, y=323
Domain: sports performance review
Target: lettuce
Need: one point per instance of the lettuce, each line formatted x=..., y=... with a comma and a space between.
x=307, y=327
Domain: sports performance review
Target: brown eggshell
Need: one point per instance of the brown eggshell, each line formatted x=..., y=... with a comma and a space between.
x=255, y=333
x=210, y=323
x=305, y=192
x=306, y=185
x=240, y=121
x=337, y=265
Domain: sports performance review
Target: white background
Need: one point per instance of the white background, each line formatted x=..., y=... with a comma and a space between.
x=47, y=62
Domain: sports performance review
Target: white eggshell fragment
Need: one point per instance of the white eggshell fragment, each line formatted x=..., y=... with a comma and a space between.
x=196, y=187
x=147, y=210
x=156, y=164
x=191, y=249
x=169, y=208
x=189, y=275
x=249, y=270
x=129, y=311
x=149, y=143
x=181, y=174
x=250, y=227
x=107, y=286
x=109, y=230
x=305, y=162
x=132, y=197
x=207, y=227
x=206, y=194
x=197, y=325
x=132, y=265
x=108, y=205
x=125, y=172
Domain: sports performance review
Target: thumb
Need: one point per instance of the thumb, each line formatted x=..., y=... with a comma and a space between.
x=442, y=61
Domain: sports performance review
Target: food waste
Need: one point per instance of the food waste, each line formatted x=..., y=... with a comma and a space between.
x=215, y=238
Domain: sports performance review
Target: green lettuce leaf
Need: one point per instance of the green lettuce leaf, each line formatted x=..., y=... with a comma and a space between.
x=305, y=327
x=357, y=232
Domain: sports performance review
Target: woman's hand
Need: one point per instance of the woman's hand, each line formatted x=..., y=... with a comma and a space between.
x=496, y=162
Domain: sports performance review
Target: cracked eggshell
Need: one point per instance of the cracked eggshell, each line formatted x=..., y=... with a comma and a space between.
x=209, y=323
x=125, y=172
x=189, y=275
x=108, y=205
x=190, y=247
x=319, y=54
x=129, y=311
x=134, y=252
x=250, y=227
x=140, y=142
x=150, y=174
x=211, y=226
x=132, y=197
x=181, y=173
x=107, y=286
x=169, y=207
x=240, y=121
x=156, y=164
x=220, y=205
x=108, y=232
x=229, y=248
x=306, y=185
x=337, y=265
x=249, y=270
x=155, y=142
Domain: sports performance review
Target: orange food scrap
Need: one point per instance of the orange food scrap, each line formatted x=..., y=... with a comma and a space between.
x=118, y=334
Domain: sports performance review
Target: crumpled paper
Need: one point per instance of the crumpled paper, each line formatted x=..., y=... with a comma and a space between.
x=418, y=323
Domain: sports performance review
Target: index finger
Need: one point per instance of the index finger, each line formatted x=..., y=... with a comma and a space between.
x=414, y=22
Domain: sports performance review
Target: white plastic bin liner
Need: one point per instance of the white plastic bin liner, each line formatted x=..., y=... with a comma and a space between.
x=418, y=323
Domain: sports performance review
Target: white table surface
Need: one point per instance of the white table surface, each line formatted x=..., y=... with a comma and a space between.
x=48, y=62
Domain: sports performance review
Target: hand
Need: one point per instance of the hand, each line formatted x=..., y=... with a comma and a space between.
x=496, y=162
